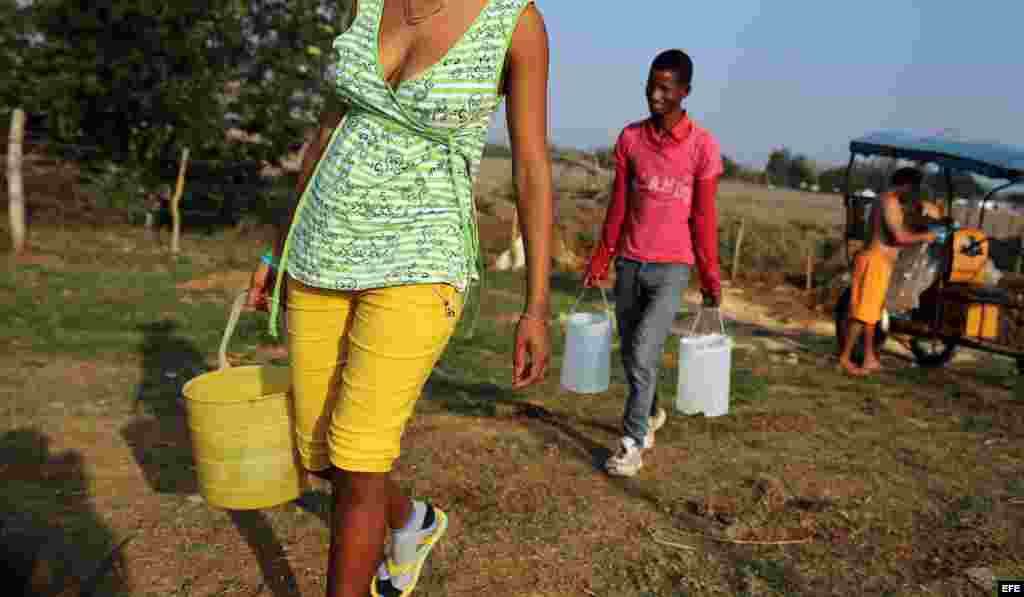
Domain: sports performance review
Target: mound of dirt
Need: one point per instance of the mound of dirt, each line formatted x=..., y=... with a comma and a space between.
x=53, y=193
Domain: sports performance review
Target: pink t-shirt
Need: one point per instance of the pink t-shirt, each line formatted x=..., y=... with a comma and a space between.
x=661, y=172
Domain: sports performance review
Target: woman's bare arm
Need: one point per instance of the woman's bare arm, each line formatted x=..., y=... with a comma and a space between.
x=330, y=118
x=526, y=113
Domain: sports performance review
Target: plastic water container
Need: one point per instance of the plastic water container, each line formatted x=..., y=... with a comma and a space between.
x=586, y=366
x=705, y=370
x=587, y=361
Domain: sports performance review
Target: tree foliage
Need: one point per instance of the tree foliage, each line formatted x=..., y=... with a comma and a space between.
x=730, y=169
x=15, y=36
x=787, y=169
x=139, y=79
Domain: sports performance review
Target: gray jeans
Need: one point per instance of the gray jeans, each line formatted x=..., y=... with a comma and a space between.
x=647, y=298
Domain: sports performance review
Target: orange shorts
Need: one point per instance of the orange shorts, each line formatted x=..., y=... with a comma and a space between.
x=872, y=271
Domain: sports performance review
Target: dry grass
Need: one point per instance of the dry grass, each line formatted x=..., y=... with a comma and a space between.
x=813, y=483
x=782, y=225
x=772, y=206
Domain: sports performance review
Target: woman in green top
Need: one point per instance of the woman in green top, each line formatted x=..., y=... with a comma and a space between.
x=383, y=246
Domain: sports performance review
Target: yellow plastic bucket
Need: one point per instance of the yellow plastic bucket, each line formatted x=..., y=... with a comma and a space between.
x=241, y=424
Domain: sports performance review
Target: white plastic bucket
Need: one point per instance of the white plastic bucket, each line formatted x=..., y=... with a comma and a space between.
x=586, y=363
x=705, y=371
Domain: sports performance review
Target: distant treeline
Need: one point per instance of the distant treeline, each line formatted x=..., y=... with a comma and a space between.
x=787, y=169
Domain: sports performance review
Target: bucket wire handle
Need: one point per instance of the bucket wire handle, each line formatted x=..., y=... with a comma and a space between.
x=604, y=297
x=229, y=330
x=721, y=320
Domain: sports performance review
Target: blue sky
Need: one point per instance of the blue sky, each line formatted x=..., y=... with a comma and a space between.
x=809, y=76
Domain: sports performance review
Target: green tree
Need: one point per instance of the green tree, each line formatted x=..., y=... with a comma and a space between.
x=778, y=167
x=801, y=172
x=142, y=78
x=15, y=36
x=784, y=168
x=832, y=178
x=730, y=168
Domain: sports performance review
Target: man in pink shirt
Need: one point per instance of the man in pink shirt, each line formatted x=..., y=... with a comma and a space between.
x=660, y=222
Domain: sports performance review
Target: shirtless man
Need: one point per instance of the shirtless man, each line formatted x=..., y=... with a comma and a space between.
x=873, y=265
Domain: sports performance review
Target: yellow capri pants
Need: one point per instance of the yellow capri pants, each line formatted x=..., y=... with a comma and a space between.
x=359, y=363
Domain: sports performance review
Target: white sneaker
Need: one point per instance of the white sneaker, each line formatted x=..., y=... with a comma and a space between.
x=398, y=574
x=627, y=461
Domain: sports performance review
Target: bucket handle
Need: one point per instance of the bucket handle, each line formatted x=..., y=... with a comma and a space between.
x=696, y=320
x=236, y=312
x=604, y=297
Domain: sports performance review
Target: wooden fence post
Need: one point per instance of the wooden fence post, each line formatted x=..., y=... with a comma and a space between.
x=517, y=247
x=738, y=249
x=810, y=266
x=15, y=185
x=175, y=203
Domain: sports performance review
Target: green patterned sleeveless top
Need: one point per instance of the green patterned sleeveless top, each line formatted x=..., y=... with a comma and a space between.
x=390, y=201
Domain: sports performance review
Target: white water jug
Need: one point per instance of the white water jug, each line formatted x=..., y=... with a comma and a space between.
x=586, y=363
x=705, y=368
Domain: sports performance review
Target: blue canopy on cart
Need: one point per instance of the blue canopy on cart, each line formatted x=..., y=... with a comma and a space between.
x=994, y=160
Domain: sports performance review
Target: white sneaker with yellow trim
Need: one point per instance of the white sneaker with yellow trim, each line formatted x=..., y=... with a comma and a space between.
x=400, y=571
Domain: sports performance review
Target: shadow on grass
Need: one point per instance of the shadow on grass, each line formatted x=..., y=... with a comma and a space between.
x=162, y=447
x=466, y=398
x=568, y=283
x=483, y=399
x=52, y=541
x=277, y=572
x=751, y=571
x=577, y=437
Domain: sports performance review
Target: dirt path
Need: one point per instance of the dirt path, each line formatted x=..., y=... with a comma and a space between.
x=778, y=320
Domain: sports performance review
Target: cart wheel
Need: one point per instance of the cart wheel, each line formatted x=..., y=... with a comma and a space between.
x=933, y=352
x=840, y=317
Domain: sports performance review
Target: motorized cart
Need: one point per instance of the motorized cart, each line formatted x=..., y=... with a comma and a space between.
x=969, y=301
